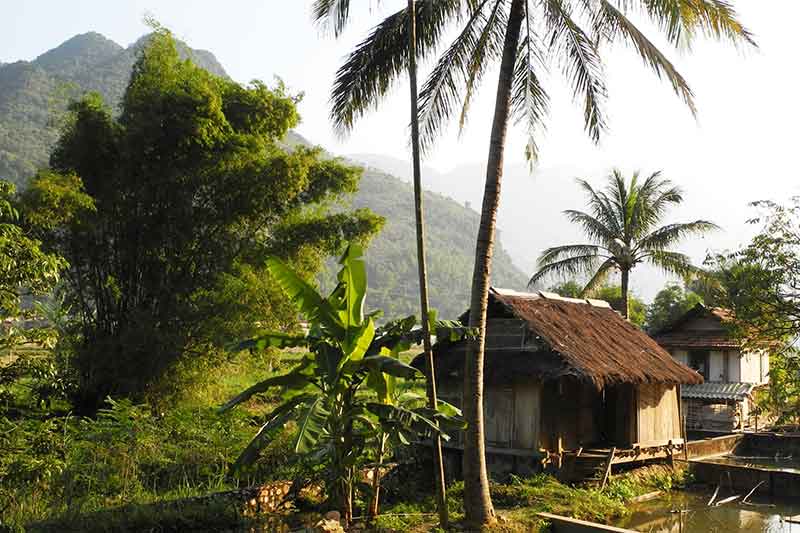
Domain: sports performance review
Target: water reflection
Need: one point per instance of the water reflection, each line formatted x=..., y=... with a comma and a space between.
x=688, y=512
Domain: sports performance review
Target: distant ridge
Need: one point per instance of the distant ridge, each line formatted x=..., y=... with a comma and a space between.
x=34, y=93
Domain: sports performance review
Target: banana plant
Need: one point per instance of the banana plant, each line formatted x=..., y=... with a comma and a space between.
x=342, y=392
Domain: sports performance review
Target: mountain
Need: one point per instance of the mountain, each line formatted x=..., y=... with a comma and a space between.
x=531, y=216
x=34, y=94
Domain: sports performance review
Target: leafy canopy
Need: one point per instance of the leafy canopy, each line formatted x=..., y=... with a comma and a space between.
x=191, y=191
x=669, y=304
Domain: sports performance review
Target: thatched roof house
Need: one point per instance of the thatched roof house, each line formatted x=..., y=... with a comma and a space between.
x=566, y=373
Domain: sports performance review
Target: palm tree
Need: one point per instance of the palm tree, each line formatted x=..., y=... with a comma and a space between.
x=525, y=36
x=338, y=11
x=622, y=224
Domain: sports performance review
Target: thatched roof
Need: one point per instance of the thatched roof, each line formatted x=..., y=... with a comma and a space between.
x=585, y=339
x=681, y=334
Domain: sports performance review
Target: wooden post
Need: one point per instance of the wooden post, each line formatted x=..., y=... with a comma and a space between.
x=608, y=468
x=671, y=455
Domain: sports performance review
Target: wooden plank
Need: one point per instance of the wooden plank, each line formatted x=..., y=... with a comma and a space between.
x=499, y=416
x=527, y=415
x=608, y=468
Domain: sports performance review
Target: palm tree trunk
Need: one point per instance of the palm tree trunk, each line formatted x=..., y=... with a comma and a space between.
x=438, y=462
x=477, y=501
x=624, y=289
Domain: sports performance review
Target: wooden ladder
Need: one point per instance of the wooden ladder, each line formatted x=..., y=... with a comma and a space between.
x=591, y=465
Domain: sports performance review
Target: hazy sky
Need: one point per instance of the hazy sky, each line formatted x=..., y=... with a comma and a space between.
x=740, y=148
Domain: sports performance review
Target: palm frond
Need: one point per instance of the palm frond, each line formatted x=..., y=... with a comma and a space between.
x=594, y=228
x=666, y=236
x=578, y=265
x=489, y=47
x=611, y=22
x=378, y=61
x=599, y=277
x=671, y=262
x=529, y=100
x=443, y=90
x=334, y=14
x=557, y=253
x=602, y=208
x=682, y=19
x=582, y=65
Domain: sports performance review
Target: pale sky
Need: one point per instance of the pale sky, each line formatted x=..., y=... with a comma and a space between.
x=740, y=148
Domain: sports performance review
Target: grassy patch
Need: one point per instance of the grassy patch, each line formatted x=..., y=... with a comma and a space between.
x=518, y=502
x=66, y=469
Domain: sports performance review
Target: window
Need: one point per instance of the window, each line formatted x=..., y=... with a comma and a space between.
x=698, y=359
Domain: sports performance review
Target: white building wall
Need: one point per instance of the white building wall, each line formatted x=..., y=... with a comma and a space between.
x=734, y=366
x=716, y=366
x=750, y=367
x=682, y=356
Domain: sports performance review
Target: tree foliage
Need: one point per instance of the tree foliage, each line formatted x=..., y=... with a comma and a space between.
x=34, y=95
x=343, y=395
x=24, y=266
x=669, y=304
x=761, y=281
x=622, y=225
x=191, y=191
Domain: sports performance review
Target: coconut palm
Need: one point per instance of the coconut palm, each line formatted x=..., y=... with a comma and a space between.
x=525, y=37
x=623, y=225
x=337, y=13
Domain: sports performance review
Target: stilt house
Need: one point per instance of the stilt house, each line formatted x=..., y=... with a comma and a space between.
x=565, y=376
x=702, y=340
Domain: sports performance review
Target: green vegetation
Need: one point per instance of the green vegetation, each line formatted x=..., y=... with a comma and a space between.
x=391, y=255
x=622, y=225
x=171, y=211
x=34, y=95
x=760, y=283
x=670, y=303
x=345, y=395
x=60, y=469
x=520, y=499
x=33, y=106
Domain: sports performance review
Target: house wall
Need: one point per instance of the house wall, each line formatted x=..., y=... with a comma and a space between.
x=735, y=366
x=658, y=416
x=754, y=367
x=716, y=366
x=527, y=415
x=512, y=414
x=571, y=415
x=682, y=356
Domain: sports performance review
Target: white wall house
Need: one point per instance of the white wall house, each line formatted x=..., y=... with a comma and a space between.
x=700, y=339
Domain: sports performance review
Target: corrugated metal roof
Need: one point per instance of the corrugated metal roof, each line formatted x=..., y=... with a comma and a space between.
x=718, y=391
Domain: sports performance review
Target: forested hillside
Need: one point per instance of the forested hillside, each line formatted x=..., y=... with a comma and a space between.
x=451, y=231
x=33, y=95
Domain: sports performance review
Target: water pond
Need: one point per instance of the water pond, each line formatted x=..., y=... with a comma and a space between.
x=688, y=512
x=781, y=464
